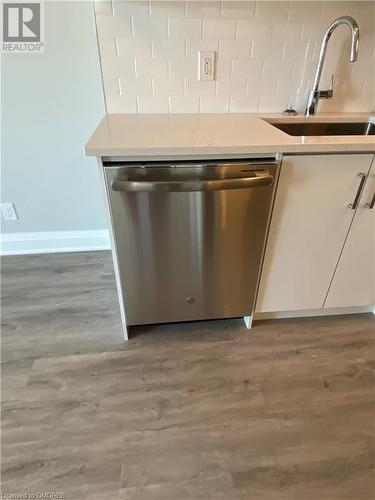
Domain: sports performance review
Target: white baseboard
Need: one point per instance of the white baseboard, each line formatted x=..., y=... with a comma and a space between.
x=305, y=313
x=54, y=241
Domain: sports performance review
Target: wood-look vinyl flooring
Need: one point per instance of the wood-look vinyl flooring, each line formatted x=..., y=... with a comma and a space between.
x=190, y=411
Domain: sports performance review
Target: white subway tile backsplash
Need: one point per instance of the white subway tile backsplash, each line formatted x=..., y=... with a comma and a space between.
x=184, y=28
x=153, y=104
x=268, y=104
x=168, y=86
x=281, y=68
x=249, y=104
x=203, y=8
x=110, y=26
x=168, y=8
x=364, y=13
x=299, y=11
x=150, y=27
x=165, y=48
x=187, y=104
x=147, y=67
x=300, y=52
x=234, y=49
x=259, y=86
x=194, y=46
x=233, y=9
x=266, y=55
x=132, y=87
x=134, y=47
x=247, y=69
x=313, y=31
x=282, y=31
x=112, y=86
x=200, y=88
x=223, y=68
x=333, y=10
x=254, y=30
x=121, y=104
x=107, y=47
x=284, y=87
x=303, y=72
x=183, y=67
x=230, y=87
x=131, y=8
x=217, y=104
x=367, y=90
x=219, y=28
x=367, y=44
x=267, y=49
x=272, y=10
x=117, y=66
x=103, y=7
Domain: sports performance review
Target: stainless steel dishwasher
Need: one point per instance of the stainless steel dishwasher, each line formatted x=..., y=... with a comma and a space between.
x=189, y=236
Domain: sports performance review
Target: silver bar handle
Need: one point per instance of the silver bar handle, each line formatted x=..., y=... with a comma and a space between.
x=372, y=203
x=327, y=94
x=260, y=178
x=354, y=205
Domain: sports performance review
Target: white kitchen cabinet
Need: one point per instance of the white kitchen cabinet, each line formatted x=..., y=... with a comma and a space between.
x=353, y=283
x=310, y=222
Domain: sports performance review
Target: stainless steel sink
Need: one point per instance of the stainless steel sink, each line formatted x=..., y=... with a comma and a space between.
x=321, y=128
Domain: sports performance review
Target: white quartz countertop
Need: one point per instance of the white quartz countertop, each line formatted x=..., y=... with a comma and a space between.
x=184, y=135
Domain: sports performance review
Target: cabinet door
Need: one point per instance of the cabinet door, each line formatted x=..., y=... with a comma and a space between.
x=309, y=225
x=354, y=281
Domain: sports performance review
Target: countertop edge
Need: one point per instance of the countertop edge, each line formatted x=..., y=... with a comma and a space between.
x=188, y=135
x=203, y=150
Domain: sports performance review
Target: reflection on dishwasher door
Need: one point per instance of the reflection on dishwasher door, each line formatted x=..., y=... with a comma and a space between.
x=189, y=236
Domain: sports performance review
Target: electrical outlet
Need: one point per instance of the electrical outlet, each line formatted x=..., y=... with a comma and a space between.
x=206, y=65
x=8, y=211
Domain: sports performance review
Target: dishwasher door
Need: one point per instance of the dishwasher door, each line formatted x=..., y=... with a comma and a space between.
x=189, y=237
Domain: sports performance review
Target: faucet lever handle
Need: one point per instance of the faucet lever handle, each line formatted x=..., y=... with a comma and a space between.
x=331, y=87
x=332, y=82
x=326, y=94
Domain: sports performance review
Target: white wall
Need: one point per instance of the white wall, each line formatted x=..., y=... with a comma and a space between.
x=266, y=50
x=51, y=103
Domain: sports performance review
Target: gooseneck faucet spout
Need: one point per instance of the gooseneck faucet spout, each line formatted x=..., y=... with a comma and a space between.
x=315, y=94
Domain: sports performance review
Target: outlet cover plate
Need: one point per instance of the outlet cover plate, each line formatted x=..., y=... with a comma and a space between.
x=9, y=212
x=206, y=65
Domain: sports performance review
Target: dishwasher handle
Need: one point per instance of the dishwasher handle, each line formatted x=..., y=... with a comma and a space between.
x=260, y=178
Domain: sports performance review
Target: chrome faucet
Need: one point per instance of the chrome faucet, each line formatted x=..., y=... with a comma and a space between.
x=315, y=94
